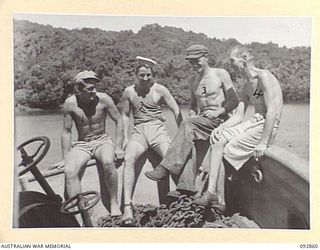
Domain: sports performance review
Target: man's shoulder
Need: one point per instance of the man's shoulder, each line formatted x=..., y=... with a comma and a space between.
x=163, y=90
x=128, y=90
x=159, y=86
x=70, y=100
x=264, y=73
x=104, y=97
x=70, y=103
x=219, y=71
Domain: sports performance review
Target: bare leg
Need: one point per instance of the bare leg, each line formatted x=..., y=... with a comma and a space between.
x=133, y=151
x=105, y=154
x=220, y=185
x=75, y=160
x=216, y=153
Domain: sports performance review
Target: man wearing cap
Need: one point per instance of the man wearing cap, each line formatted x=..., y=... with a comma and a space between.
x=248, y=138
x=212, y=98
x=143, y=100
x=88, y=110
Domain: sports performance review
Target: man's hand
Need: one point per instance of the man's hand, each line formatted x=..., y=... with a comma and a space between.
x=259, y=151
x=125, y=142
x=216, y=134
x=211, y=114
x=119, y=157
x=119, y=154
x=192, y=113
x=58, y=165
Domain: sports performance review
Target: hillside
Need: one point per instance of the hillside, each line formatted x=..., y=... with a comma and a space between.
x=46, y=59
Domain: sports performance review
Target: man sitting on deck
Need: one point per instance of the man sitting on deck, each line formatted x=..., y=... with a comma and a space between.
x=143, y=99
x=238, y=143
x=212, y=92
x=88, y=110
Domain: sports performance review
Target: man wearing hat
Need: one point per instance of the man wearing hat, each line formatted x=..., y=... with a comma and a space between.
x=143, y=99
x=237, y=140
x=212, y=98
x=88, y=110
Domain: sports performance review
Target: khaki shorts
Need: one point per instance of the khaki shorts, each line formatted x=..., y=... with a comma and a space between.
x=90, y=145
x=241, y=144
x=151, y=134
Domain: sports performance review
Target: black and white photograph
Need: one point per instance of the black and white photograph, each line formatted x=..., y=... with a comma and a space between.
x=161, y=121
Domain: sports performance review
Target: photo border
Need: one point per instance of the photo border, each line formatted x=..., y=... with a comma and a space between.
x=164, y=8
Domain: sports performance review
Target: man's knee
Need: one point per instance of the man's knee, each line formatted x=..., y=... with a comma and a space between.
x=71, y=171
x=108, y=164
x=219, y=144
x=231, y=146
x=129, y=159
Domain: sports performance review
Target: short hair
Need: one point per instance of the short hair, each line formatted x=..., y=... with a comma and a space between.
x=145, y=66
x=241, y=50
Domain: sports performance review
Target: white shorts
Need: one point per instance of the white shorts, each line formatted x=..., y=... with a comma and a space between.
x=242, y=143
x=151, y=134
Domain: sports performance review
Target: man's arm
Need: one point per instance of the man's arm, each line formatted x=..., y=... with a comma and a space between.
x=116, y=117
x=66, y=135
x=240, y=111
x=125, y=113
x=270, y=102
x=173, y=106
x=235, y=118
x=193, y=111
x=232, y=99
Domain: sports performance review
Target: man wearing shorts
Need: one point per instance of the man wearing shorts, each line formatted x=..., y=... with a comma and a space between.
x=143, y=99
x=212, y=98
x=88, y=110
x=238, y=143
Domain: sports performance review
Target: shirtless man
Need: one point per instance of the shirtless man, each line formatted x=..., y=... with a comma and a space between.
x=88, y=110
x=252, y=137
x=143, y=99
x=212, y=98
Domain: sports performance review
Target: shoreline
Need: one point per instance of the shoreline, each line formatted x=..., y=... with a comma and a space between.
x=37, y=111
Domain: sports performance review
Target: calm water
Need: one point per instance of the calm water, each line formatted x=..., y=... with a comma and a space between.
x=293, y=133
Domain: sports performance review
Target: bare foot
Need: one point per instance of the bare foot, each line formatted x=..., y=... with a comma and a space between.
x=127, y=212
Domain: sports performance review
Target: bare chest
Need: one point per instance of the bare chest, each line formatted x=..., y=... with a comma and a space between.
x=82, y=118
x=256, y=92
x=209, y=86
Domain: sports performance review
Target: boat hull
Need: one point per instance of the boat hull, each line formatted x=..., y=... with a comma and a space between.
x=281, y=200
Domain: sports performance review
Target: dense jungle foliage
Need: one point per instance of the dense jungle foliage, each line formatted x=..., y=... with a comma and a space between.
x=46, y=59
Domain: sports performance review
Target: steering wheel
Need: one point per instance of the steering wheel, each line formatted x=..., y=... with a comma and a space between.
x=83, y=202
x=30, y=161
